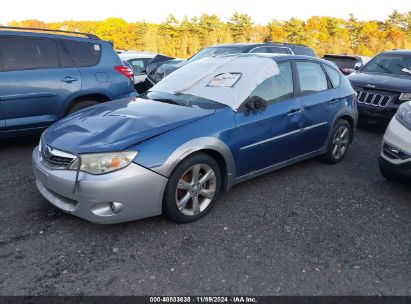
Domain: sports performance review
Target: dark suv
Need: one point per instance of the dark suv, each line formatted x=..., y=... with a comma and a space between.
x=156, y=72
x=383, y=84
x=45, y=76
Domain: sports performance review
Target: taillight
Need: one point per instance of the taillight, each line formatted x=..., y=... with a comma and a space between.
x=126, y=71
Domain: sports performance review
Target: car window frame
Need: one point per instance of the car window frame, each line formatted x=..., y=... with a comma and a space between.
x=297, y=84
x=243, y=108
x=59, y=46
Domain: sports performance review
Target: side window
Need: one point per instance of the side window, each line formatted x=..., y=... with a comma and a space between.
x=84, y=54
x=334, y=76
x=300, y=50
x=64, y=58
x=138, y=65
x=278, y=87
x=311, y=77
x=279, y=50
x=261, y=49
x=22, y=53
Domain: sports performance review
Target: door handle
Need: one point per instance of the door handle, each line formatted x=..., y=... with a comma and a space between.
x=69, y=79
x=333, y=101
x=295, y=111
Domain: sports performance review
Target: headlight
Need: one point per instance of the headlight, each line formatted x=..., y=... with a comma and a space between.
x=405, y=96
x=403, y=114
x=101, y=163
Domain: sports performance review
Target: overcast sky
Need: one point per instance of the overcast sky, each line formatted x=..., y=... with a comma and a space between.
x=262, y=11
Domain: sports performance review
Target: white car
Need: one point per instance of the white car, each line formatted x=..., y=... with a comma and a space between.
x=138, y=62
x=395, y=157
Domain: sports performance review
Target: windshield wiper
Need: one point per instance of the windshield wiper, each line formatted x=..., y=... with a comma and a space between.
x=404, y=68
x=384, y=68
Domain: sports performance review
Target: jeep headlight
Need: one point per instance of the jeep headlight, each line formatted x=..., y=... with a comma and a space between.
x=101, y=163
x=403, y=114
x=405, y=96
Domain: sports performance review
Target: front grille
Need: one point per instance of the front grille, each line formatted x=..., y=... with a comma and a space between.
x=374, y=98
x=55, y=158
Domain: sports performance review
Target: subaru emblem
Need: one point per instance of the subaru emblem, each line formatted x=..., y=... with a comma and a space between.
x=370, y=86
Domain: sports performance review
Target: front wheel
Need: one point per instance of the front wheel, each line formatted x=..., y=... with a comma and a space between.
x=192, y=189
x=339, y=142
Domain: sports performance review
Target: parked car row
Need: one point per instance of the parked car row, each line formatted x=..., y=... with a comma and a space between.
x=157, y=72
x=227, y=114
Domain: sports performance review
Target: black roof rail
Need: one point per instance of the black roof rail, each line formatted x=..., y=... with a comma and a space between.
x=90, y=36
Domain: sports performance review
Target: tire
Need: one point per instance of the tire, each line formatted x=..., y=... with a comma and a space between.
x=339, y=142
x=81, y=105
x=187, y=191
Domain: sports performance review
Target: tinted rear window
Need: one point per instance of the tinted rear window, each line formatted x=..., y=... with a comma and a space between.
x=342, y=62
x=21, y=53
x=83, y=54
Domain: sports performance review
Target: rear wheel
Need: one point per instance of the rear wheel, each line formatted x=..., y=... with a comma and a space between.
x=339, y=142
x=81, y=105
x=192, y=189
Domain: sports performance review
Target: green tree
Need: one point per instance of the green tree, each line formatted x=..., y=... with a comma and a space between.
x=240, y=26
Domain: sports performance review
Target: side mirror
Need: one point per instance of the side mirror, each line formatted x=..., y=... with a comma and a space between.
x=357, y=66
x=257, y=103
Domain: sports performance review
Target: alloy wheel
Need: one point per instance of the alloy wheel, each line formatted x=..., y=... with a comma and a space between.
x=196, y=189
x=341, y=141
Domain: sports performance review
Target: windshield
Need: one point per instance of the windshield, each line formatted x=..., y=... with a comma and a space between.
x=399, y=64
x=186, y=100
x=214, y=51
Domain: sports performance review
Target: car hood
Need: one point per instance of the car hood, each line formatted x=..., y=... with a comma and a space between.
x=396, y=83
x=117, y=125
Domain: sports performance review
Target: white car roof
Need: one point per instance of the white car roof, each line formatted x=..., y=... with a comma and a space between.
x=135, y=55
x=226, y=79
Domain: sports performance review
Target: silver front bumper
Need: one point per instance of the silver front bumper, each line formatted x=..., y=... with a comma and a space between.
x=138, y=190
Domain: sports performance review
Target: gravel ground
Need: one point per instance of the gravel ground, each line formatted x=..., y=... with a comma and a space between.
x=309, y=229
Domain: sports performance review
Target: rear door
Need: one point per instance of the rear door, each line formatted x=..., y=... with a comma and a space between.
x=36, y=78
x=319, y=104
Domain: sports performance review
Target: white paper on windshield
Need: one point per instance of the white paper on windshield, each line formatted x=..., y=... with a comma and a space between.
x=195, y=78
x=224, y=80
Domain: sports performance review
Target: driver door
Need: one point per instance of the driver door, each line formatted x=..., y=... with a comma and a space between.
x=270, y=136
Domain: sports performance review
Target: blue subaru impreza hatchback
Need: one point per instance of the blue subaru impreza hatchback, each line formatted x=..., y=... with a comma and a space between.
x=209, y=125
